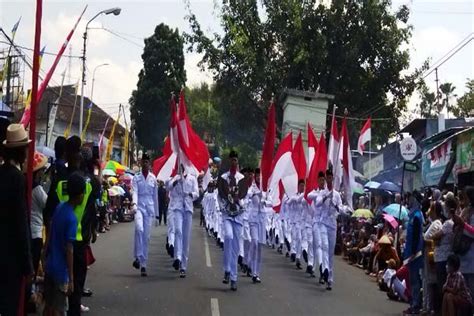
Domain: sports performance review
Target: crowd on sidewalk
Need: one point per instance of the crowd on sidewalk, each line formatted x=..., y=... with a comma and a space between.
x=47, y=245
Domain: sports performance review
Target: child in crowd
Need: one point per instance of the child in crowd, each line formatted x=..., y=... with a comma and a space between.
x=456, y=298
x=58, y=283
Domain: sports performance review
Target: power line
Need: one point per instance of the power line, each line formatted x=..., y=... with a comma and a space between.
x=31, y=50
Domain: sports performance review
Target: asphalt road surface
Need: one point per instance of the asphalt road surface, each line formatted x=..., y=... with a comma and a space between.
x=119, y=289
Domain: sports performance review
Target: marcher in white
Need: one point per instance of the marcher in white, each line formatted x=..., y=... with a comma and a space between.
x=330, y=202
x=232, y=191
x=257, y=222
x=183, y=189
x=296, y=207
x=145, y=197
x=317, y=222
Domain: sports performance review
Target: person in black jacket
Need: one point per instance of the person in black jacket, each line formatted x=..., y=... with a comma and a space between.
x=16, y=263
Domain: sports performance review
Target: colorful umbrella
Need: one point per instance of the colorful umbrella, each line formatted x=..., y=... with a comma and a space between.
x=115, y=167
x=112, y=180
x=108, y=172
x=389, y=186
x=391, y=220
x=358, y=189
x=372, y=185
x=362, y=212
x=394, y=210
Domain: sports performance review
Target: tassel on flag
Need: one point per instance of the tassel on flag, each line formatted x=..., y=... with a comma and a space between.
x=312, y=147
x=268, y=148
x=365, y=136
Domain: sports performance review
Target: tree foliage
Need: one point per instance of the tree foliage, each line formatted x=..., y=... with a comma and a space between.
x=427, y=106
x=163, y=72
x=465, y=104
x=351, y=49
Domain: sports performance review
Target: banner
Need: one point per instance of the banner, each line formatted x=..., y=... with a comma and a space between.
x=53, y=111
x=373, y=166
x=465, y=152
x=110, y=143
x=25, y=120
x=67, y=131
x=89, y=110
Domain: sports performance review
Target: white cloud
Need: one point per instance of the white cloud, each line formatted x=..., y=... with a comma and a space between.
x=195, y=76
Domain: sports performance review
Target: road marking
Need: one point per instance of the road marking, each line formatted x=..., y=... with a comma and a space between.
x=215, y=307
x=207, y=253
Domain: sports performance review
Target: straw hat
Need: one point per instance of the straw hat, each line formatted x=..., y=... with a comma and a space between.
x=16, y=136
x=39, y=161
x=384, y=240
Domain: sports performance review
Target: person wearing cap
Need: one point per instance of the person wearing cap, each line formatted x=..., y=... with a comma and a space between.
x=15, y=235
x=330, y=203
x=145, y=199
x=231, y=201
x=184, y=190
x=317, y=223
x=38, y=202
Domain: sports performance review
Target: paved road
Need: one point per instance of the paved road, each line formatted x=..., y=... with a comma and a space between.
x=119, y=290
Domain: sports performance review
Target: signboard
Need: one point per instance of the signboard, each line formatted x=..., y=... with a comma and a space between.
x=408, y=148
x=465, y=153
x=432, y=172
x=373, y=167
x=410, y=166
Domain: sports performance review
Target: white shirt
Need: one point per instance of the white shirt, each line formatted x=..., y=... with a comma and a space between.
x=238, y=176
x=330, y=203
x=296, y=205
x=183, y=193
x=38, y=203
x=145, y=194
x=317, y=211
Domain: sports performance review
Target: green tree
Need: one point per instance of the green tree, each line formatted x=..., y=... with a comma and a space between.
x=465, y=104
x=351, y=49
x=163, y=72
x=427, y=106
x=446, y=91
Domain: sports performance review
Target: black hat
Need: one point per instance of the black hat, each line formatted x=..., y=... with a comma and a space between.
x=145, y=156
x=244, y=170
x=257, y=170
x=329, y=172
x=233, y=154
x=73, y=144
x=76, y=185
x=321, y=174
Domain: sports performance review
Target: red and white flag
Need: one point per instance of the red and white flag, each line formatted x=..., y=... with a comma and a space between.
x=319, y=165
x=333, y=150
x=193, y=152
x=284, y=175
x=312, y=147
x=268, y=148
x=166, y=166
x=299, y=159
x=348, y=181
x=365, y=136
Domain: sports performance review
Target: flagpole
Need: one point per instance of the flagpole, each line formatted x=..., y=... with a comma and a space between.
x=370, y=170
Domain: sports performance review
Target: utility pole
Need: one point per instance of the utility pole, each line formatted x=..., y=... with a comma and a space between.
x=437, y=88
x=9, y=75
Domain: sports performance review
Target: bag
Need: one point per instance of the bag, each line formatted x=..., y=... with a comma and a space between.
x=90, y=259
x=461, y=242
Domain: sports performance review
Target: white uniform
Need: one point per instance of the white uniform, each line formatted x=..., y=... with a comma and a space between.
x=307, y=232
x=183, y=191
x=316, y=229
x=329, y=202
x=296, y=206
x=145, y=197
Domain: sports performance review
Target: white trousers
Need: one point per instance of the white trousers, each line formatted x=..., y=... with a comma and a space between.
x=142, y=237
x=328, y=245
x=232, y=237
x=317, y=250
x=296, y=240
x=255, y=253
x=183, y=222
x=170, y=226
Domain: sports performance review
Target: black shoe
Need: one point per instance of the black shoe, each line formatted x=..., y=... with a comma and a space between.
x=171, y=253
x=245, y=268
x=143, y=272
x=329, y=286
x=326, y=276
x=233, y=285
x=298, y=264
x=256, y=279
x=277, y=240
x=309, y=269
x=249, y=272
x=182, y=274
x=287, y=254
x=305, y=256
x=86, y=292
x=293, y=257
x=240, y=260
x=167, y=246
x=226, y=278
x=136, y=264
x=218, y=242
x=176, y=264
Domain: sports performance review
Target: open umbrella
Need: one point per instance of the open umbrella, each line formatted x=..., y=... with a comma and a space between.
x=391, y=220
x=362, y=212
x=112, y=180
x=108, y=172
x=372, y=185
x=119, y=189
x=389, y=186
x=358, y=189
x=115, y=167
x=394, y=210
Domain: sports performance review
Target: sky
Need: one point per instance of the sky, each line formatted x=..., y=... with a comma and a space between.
x=438, y=26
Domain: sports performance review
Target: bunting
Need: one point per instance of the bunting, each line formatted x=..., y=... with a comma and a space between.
x=108, y=151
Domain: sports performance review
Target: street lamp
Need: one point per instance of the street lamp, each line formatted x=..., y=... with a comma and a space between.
x=93, y=78
x=114, y=11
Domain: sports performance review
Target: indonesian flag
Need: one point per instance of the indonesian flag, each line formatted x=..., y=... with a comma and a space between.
x=319, y=164
x=284, y=176
x=365, y=136
x=333, y=150
x=268, y=148
x=312, y=146
x=348, y=181
x=299, y=159
x=193, y=152
x=166, y=166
